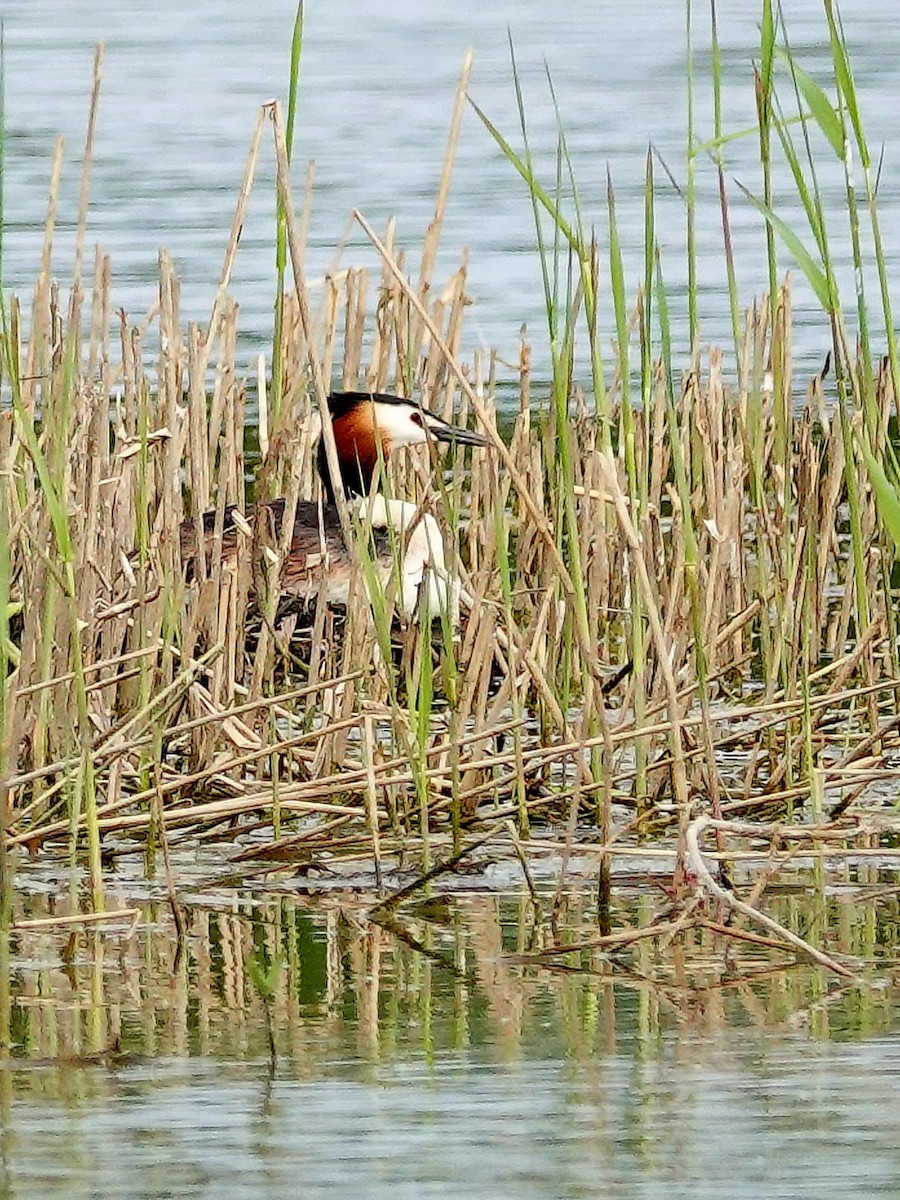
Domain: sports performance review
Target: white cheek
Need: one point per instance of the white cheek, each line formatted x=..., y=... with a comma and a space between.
x=398, y=425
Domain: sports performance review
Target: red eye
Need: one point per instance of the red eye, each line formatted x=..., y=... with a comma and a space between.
x=416, y=418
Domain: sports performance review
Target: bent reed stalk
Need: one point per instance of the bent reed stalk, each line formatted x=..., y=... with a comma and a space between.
x=716, y=533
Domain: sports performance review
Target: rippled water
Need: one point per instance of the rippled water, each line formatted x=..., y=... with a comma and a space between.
x=439, y=1057
x=694, y=1122
x=182, y=84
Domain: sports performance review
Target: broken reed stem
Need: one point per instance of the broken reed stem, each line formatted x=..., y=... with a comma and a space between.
x=694, y=833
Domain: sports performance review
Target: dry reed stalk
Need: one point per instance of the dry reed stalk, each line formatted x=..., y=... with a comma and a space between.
x=109, y=917
x=87, y=162
x=38, y=353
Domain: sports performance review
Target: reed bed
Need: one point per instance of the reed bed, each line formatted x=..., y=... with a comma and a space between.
x=678, y=596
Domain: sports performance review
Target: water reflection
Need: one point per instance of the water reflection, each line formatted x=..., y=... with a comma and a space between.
x=470, y=1068
x=468, y=972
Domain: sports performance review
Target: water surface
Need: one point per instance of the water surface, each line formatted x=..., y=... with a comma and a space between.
x=692, y=1122
x=182, y=86
x=441, y=1058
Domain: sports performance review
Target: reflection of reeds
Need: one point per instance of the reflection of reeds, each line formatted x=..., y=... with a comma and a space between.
x=707, y=528
x=483, y=973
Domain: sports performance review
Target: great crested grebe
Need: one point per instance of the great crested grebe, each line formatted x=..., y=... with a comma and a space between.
x=367, y=426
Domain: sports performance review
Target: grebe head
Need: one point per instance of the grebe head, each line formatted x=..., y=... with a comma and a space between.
x=363, y=421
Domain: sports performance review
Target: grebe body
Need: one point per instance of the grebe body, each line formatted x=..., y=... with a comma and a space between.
x=407, y=545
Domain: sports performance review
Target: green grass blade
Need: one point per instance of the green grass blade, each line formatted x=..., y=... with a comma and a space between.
x=887, y=496
x=815, y=275
x=820, y=107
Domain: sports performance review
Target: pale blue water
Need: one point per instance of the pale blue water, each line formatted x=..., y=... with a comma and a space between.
x=182, y=85
x=461, y=1073
x=767, y=1119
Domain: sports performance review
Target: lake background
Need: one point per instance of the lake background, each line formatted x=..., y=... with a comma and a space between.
x=181, y=90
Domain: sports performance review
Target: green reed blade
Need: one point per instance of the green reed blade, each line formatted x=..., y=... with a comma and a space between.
x=647, y=287
x=2, y=145
x=820, y=107
x=690, y=183
x=280, y=220
x=719, y=158
x=815, y=275
x=844, y=77
x=549, y=283
x=808, y=195
x=887, y=495
x=764, y=117
x=525, y=171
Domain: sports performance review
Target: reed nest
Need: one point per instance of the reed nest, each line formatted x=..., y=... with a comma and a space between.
x=716, y=533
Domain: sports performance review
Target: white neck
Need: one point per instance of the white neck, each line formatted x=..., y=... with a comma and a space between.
x=422, y=555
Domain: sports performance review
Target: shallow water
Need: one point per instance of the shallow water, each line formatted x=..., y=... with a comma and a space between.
x=182, y=86
x=440, y=1057
x=693, y=1121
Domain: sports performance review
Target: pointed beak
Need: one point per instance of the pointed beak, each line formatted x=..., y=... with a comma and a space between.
x=442, y=431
